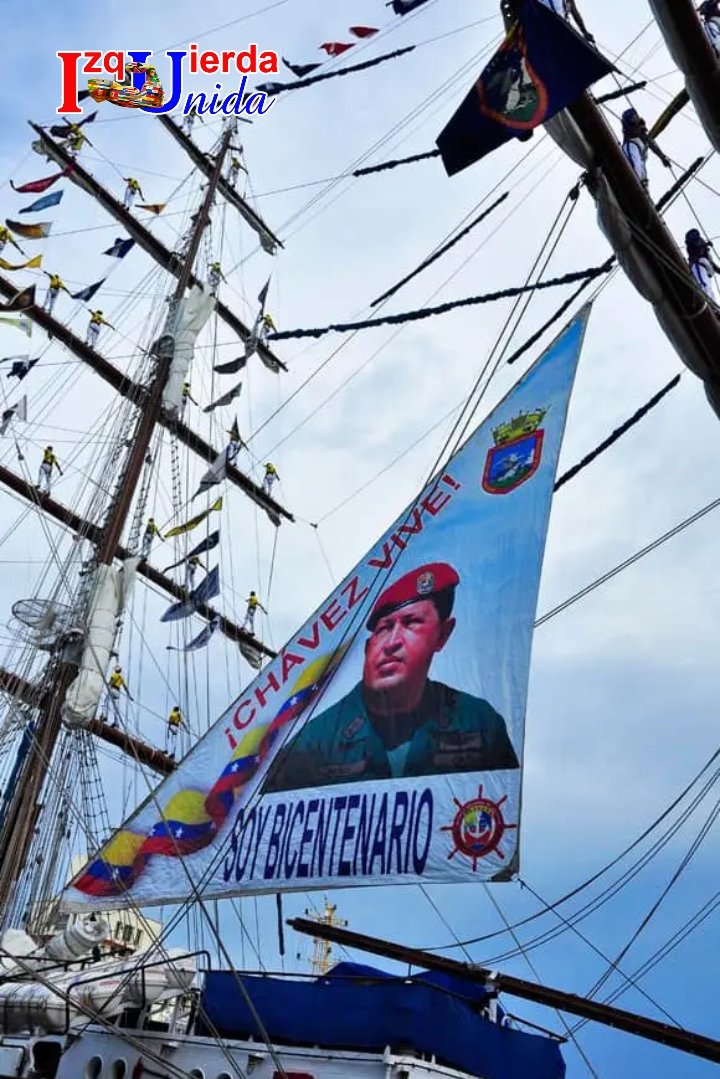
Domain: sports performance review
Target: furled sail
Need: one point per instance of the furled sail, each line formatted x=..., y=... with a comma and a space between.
x=384, y=743
x=684, y=314
x=110, y=592
x=191, y=316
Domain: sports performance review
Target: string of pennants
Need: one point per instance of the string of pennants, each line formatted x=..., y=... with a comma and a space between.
x=305, y=72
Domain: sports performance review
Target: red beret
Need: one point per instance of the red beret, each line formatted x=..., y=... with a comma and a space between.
x=424, y=582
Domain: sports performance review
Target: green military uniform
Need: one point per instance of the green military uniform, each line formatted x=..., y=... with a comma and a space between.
x=449, y=731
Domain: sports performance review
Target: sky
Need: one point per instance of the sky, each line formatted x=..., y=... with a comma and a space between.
x=621, y=707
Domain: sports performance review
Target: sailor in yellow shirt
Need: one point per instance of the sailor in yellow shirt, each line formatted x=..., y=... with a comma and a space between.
x=186, y=396
x=49, y=461
x=55, y=286
x=271, y=474
x=266, y=327
x=215, y=276
x=115, y=684
x=236, y=166
x=132, y=188
x=252, y=605
x=97, y=319
x=6, y=238
x=76, y=140
x=174, y=723
x=151, y=531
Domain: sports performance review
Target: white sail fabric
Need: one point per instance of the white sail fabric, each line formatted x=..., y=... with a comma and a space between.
x=105, y=604
x=192, y=314
x=342, y=765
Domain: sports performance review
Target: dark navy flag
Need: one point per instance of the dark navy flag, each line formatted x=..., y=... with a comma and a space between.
x=120, y=248
x=88, y=292
x=542, y=67
x=301, y=70
x=207, y=589
x=404, y=7
x=202, y=548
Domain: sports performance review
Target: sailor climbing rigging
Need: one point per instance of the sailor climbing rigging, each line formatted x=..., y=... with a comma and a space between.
x=189, y=120
x=234, y=445
x=151, y=531
x=236, y=166
x=97, y=320
x=55, y=286
x=186, y=396
x=132, y=188
x=215, y=276
x=700, y=261
x=49, y=461
x=76, y=140
x=271, y=474
x=252, y=605
x=174, y=722
x=710, y=14
x=637, y=142
x=115, y=684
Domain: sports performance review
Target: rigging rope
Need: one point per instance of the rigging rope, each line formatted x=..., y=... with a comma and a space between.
x=440, y=251
x=615, y=435
x=428, y=312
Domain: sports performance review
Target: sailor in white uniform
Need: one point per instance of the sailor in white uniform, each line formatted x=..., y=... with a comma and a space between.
x=700, y=261
x=710, y=13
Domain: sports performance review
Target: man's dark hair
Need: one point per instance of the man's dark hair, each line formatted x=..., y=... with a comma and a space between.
x=444, y=602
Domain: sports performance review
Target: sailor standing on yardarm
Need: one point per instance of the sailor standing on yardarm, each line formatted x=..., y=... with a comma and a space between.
x=49, y=461
x=252, y=605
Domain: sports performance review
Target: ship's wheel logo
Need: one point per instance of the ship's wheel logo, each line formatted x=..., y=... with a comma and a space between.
x=478, y=828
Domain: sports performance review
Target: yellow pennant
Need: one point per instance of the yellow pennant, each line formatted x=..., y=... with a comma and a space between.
x=180, y=530
x=31, y=264
x=152, y=207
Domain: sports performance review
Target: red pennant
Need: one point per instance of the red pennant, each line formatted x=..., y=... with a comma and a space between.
x=35, y=187
x=336, y=48
x=363, y=31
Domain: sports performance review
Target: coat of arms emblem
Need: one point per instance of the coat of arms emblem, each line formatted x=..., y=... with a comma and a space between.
x=516, y=455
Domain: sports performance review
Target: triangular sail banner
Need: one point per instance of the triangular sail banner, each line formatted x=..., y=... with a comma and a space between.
x=88, y=292
x=202, y=638
x=120, y=248
x=43, y=203
x=21, y=301
x=31, y=264
x=180, y=530
x=36, y=187
x=208, y=588
x=383, y=745
x=23, y=324
x=206, y=545
x=38, y=231
x=226, y=399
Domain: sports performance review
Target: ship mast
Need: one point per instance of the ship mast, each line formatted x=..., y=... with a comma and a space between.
x=23, y=811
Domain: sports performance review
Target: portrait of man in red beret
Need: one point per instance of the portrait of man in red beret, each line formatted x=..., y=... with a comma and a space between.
x=397, y=722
